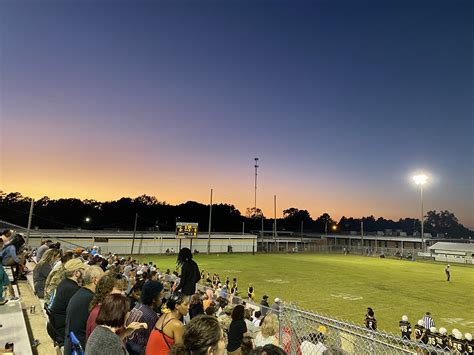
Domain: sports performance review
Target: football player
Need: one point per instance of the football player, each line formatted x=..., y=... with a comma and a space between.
x=405, y=327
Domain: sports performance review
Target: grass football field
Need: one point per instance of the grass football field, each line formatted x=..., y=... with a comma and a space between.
x=343, y=286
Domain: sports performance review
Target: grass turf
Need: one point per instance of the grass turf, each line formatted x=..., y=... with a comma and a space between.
x=344, y=286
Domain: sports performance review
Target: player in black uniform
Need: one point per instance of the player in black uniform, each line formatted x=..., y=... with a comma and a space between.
x=469, y=344
x=431, y=335
x=405, y=328
x=420, y=331
x=370, y=322
x=457, y=343
x=442, y=339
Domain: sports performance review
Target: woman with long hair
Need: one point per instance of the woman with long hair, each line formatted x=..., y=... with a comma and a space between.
x=169, y=328
x=190, y=274
x=237, y=330
x=202, y=336
x=42, y=270
x=110, y=283
x=268, y=331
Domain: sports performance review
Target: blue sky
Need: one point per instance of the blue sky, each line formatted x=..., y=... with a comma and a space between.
x=342, y=101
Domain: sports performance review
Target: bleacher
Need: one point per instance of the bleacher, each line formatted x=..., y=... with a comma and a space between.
x=13, y=326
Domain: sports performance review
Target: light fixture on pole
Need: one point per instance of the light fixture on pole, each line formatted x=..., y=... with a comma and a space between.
x=255, y=198
x=421, y=179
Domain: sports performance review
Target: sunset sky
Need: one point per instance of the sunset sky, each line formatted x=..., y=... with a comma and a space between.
x=342, y=101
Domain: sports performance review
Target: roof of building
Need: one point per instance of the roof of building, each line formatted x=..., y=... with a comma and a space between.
x=464, y=247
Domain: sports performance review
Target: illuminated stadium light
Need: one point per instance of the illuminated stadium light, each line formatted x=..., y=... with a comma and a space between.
x=420, y=179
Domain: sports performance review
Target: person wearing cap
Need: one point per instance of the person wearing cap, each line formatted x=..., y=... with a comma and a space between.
x=56, y=276
x=265, y=306
x=405, y=327
x=77, y=310
x=225, y=319
x=74, y=270
x=95, y=250
x=151, y=298
x=276, y=306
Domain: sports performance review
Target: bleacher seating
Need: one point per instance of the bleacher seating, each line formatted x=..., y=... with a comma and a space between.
x=13, y=326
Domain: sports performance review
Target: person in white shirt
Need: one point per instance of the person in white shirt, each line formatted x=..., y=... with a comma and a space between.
x=257, y=318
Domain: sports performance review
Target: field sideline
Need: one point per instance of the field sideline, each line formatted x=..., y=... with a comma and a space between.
x=344, y=286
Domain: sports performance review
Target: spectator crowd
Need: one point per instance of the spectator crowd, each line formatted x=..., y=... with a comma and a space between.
x=109, y=304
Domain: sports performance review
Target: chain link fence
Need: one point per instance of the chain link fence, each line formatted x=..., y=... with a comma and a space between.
x=304, y=333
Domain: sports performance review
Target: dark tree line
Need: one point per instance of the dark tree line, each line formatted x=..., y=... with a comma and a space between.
x=72, y=213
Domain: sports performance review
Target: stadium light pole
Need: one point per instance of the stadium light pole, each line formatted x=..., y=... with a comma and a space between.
x=255, y=198
x=421, y=180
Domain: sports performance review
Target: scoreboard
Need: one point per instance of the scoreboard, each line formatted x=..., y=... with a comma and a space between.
x=186, y=230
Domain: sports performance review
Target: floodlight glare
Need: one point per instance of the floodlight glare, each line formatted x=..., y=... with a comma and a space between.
x=420, y=179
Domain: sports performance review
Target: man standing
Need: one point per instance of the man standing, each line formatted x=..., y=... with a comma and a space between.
x=429, y=322
x=77, y=310
x=265, y=305
x=447, y=272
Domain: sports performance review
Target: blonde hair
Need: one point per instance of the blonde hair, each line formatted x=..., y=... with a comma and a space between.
x=269, y=325
x=49, y=256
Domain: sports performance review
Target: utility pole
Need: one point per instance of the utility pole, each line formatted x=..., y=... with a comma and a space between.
x=134, y=232
x=301, y=235
x=30, y=217
x=274, y=219
x=209, y=228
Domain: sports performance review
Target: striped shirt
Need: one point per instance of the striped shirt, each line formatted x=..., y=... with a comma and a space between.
x=429, y=322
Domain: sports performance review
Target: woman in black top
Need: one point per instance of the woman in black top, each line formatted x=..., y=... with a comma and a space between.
x=237, y=329
x=190, y=274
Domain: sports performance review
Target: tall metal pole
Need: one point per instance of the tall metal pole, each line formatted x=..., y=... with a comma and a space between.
x=243, y=228
x=30, y=217
x=301, y=235
x=274, y=219
x=255, y=199
x=422, y=218
x=261, y=234
x=134, y=232
x=362, y=233
x=209, y=229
